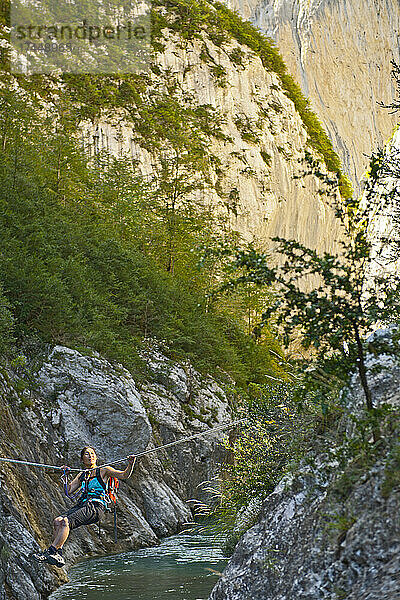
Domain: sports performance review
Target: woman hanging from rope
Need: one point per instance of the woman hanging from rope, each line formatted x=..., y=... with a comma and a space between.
x=92, y=484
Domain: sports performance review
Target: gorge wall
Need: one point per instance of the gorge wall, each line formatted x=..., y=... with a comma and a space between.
x=259, y=176
x=327, y=530
x=340, y=52
x=79, y=400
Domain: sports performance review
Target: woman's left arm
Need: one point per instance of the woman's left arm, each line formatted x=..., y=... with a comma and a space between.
x=111, y=472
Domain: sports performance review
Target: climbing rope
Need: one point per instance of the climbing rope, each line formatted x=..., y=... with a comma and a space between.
x=65, y=482
x=176, y=442
x=119, y=460
x=31, y=464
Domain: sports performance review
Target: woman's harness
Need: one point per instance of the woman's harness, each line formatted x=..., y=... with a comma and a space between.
x=93, y=489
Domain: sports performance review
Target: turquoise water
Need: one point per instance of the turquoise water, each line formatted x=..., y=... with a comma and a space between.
x=182, y=567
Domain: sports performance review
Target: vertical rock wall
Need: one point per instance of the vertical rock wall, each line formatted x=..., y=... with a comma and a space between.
x=340, y=52
x=330, y=530
x=261, y=180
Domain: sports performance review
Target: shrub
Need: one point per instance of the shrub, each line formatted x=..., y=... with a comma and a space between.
x=6, y=325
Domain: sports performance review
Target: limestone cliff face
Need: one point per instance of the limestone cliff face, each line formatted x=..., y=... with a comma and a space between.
x=83, y=400
x=327, y=531
x=340, y=53
x=260, y=179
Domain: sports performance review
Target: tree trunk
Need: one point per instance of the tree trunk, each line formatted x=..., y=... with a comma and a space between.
x=362, y=371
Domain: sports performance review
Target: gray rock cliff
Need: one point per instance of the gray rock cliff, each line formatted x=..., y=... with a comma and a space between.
x=328, y=531
x=80, y=399
x=260, y=178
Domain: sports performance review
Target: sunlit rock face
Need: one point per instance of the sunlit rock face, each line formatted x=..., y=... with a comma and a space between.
x=261, y=181
x=340, y=53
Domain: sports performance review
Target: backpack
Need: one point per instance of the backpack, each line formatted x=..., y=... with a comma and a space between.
x=111, y=495
x=112, y=489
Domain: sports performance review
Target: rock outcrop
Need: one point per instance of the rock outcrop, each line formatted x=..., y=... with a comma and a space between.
x=310, y=546
x=328, y=531
x=25, y=501
x=261, y=178
x=340, y=52
x=83, y=399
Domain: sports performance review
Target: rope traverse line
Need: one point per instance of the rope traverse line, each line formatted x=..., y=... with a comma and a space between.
x=176, y=442
x=31, y=464
x=119, y=460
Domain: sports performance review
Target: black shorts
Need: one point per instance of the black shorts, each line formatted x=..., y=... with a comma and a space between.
x=84, y=514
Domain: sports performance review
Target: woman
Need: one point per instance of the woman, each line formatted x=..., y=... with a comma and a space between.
x=91, y=505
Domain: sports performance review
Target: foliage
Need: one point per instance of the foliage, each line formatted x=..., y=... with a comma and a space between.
x=247, y=34
x=243, y=306
x=353, y=454
x=189, y=18
x=333, y=320
x=394, y=106
x=91, y=93
x=341, y=523
x=278, y=438
x=262, y=452
x=6, y=325
x=321, y=381
x=335, y=316
x=83, y=247
x=382, y=190
x=247, y=127
x=176, y=133
x=275, y=435
x=392, y=472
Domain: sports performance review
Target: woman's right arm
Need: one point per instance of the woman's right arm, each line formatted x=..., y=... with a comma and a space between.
x=75, y=484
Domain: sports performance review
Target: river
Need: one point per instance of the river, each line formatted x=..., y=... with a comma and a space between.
x=182, y=567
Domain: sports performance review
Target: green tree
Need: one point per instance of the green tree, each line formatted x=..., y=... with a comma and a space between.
x=348, y=301
x=76, y=258
x=181, y=174
x=6, y=324
x=261, y=451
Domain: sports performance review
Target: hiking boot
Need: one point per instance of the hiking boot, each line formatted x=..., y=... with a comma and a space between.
x=49, y=558
x=55, y=559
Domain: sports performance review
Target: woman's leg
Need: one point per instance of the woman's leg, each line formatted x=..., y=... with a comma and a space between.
x=76, y=517
x=53, y=554
x=61, y=532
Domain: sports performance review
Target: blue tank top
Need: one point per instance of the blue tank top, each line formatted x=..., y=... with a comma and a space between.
x=95, y=488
